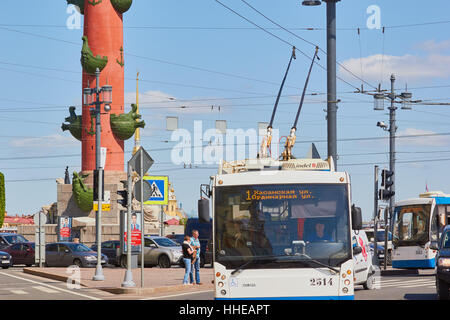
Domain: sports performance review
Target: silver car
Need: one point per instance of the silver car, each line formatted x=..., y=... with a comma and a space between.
x=162, y=252
x=64, y=254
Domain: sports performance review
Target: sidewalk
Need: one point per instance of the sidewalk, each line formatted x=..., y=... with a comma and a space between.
x=156, y=280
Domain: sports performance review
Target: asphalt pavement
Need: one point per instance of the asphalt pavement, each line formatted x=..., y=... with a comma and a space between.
x=16, y=285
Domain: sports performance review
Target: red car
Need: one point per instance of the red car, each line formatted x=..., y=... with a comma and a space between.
x=21, y=253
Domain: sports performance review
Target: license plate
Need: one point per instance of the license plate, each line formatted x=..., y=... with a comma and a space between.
x=5, y=261
x=103, y=261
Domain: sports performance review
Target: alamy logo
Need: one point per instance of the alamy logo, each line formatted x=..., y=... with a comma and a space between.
x=74, y=19
x=374, y=19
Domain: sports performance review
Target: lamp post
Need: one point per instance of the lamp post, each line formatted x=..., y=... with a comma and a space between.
x=331, y=76
x=91, y=97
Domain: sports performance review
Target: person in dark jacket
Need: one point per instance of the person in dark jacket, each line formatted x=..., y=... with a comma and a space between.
x=187, y=258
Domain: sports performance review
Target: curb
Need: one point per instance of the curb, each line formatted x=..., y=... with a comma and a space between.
x=48, y=275
x=115, y=290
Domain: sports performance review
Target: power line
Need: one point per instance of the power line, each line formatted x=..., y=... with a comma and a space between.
x=307, y=41
x=221, y=145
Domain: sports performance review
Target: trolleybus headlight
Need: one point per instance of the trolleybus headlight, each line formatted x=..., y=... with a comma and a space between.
x=347, y=282
x=223, y=292
x=349, y=272
x=218, y=274
x=344, y=275
x=345, y=290
x=223, y=277
x=444, y=262
x=220, y=284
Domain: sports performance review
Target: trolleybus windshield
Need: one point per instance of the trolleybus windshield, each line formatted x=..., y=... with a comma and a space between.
x=282, y=226
x=411, y=224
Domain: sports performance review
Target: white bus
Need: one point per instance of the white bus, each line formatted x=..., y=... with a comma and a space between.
x=283, y=230
x=416, y=223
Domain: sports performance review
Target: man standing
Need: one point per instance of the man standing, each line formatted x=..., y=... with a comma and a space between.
x=195, y=244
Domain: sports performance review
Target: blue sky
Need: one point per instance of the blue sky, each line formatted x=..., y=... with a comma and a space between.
x=201, y=54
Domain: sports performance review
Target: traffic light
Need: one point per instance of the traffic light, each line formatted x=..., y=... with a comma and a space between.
x=386, y=179
x=123, y=194
x=385, y=193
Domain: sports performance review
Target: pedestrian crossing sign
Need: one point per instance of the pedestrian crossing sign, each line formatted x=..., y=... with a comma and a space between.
x=159, y=189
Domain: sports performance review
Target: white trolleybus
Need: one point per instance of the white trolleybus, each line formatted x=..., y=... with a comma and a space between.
x=282, y=230
x=416, y=223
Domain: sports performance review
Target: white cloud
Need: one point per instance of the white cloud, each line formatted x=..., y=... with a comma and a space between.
x=433, y=46
x=406, y=68
x=422, y=140
x=52, y=141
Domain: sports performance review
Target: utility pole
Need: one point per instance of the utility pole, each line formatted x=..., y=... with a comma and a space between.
x=128, y=280
x=375, y=214
x=331, y=81
x=392, y=132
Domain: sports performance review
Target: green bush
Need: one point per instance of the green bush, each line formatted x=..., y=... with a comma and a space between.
x=2, y=199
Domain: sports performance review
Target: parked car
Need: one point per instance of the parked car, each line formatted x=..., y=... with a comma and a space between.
x=178, y=238
x=161, y=251
x=364, y=268
x=7, y=239
x=112, y=250
x=205, y=237
x=443, y=264
x=64, y=254
x=5, y=260
x=22, y=253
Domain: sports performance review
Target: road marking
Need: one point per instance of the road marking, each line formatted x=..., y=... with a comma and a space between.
x=410, y=281
x=18, y=292
x=408, y=284
x=44, y=289
x=176, y=295
x=52, y=287
x=404, y=280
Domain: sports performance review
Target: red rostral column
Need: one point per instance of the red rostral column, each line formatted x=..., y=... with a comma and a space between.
x=103, y=27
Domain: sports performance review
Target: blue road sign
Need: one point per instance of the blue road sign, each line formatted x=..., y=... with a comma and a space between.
x=159, y=190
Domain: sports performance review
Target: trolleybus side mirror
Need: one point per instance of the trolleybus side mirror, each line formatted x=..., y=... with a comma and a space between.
x=203, y=210
x=356, y=218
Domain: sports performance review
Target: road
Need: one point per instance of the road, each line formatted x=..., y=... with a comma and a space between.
x=15, y=285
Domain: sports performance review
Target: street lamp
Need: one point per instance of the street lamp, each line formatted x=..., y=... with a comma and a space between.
x=311, y=3
x=331, y=75
x=96, y=97
x=378, y=102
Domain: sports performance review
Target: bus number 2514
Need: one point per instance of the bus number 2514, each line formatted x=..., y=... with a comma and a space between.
x=317, y=282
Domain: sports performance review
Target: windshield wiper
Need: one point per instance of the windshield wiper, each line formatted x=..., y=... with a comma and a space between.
x=318, y=262
x=243, y=266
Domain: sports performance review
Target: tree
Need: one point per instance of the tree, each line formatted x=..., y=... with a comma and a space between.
x=2, y=199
